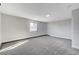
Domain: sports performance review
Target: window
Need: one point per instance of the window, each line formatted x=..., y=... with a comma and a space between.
x=33, y=27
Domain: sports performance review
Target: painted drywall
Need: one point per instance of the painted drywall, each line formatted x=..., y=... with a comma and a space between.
x=0, y=29
x=14, y=28
x=75, y=40
x=62, y=29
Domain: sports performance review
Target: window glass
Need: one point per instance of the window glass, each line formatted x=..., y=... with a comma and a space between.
x=33, y=27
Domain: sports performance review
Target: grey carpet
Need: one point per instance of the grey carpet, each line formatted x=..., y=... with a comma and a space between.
x=45, y=45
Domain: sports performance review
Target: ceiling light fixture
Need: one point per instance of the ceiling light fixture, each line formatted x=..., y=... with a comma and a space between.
x=48, y=15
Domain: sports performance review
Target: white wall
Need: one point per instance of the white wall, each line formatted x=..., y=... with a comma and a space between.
x=14, y=28
x=61, y=29
x=75, y=40
x=0, y=30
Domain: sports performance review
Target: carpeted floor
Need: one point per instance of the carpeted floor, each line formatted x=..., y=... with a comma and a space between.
x=45, y=45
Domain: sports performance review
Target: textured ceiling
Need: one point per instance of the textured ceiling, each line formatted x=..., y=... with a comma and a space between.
x=45, y=12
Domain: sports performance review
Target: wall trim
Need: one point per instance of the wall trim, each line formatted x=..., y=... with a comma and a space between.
x=26, y=38
x=59, y=37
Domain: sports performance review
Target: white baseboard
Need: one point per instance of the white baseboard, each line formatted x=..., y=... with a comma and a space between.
x=60, y=37
x=23, y=38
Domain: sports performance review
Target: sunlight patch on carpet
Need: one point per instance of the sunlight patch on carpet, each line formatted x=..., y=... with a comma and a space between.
x=14, y=46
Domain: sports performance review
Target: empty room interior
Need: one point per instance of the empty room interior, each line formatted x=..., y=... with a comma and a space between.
x=39, y=28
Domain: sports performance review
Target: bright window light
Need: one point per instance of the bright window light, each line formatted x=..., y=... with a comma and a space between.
x=33, y=27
